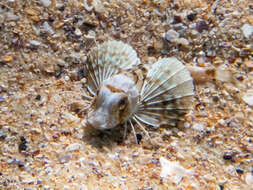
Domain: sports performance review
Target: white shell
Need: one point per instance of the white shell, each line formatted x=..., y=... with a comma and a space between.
x=108, y=59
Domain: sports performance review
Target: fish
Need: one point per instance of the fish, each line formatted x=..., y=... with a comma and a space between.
x=125, y=91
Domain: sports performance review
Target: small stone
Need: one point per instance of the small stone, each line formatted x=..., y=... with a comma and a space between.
x=249, y=64
x=239, y=171
x=22, y=138
x=1, y=99
x=11, y=17
x=249, y=179
x=34, y=43
x=62, y=8
x=177, y=19
x=64, y=158
x=171, y=35
x=48, y=170
x=138, y=137
x=38, y=97
x=32, y=12
x=182, y=41
x=48, y=28
x=8, y=58
x=198, y=127
x=247, y=30
x=191, y=16
x=201, y=26
x=78, y=32
x=248, y=97
x=87, y=7
x=73, y=147
x=2, y=135
x=22, y=147
x=227, y=156
x=45, y=3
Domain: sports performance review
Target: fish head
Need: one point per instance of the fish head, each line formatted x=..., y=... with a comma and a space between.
x=111, y=107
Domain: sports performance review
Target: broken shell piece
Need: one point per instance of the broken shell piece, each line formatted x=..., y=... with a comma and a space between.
x=173, y=170
x=248, y=97
x=201, y=74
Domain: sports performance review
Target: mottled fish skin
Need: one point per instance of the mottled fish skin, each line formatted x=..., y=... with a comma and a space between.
x=125, y=93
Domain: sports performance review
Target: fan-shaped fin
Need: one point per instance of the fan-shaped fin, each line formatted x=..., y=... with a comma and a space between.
x=108, y=59
x=167, y=93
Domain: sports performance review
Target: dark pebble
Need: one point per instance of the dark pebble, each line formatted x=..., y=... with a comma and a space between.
x=22, y=147
x=38, y=97
x=21, y=165
x=22, y=138
x=62, y=8
x=227, y=157
x=221, y=186
x=177, y=19
x=239, y=171
x=35, y=153
x=201, y=26
x=81, y=74
x=191, y=16
x=3, y=136
x=66, y=133
x=155, y=161
x=139, y=137
x=50, y=19
x=59, y=73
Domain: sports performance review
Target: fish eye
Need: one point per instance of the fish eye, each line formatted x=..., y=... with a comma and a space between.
x=122, y=103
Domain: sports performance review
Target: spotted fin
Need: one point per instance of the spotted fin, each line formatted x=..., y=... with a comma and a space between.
x=166, y=95
x=108, y=59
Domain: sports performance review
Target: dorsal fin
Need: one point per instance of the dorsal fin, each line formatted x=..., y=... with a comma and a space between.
x=108, y=59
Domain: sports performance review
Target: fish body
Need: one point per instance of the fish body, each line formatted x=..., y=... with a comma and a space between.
x=124, y=94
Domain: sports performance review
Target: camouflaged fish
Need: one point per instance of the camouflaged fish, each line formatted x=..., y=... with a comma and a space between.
x=123, y=93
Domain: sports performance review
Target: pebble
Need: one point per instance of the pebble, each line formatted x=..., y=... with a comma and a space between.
x=239, y=171
x=198, y=127
x=78, y=32
x=2, y=135
x=27, y=179
x=248, y=97
x=182, y=41
x=64, y=158
x=73, y=147
x=45, y=3
x=34, y=43
x=247, y=30
x=86, y=6
x=48, y=170
x=191, y=16
x=201, y=26
x=48, y=28
x=249, y=179
x=11, y=17
x=171, y=35
x=227, y=156
x=1, y=99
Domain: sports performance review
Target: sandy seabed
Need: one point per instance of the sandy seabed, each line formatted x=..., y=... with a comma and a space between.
x=43, y=46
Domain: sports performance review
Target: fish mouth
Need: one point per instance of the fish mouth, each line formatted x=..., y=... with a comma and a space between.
x=95, y=123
